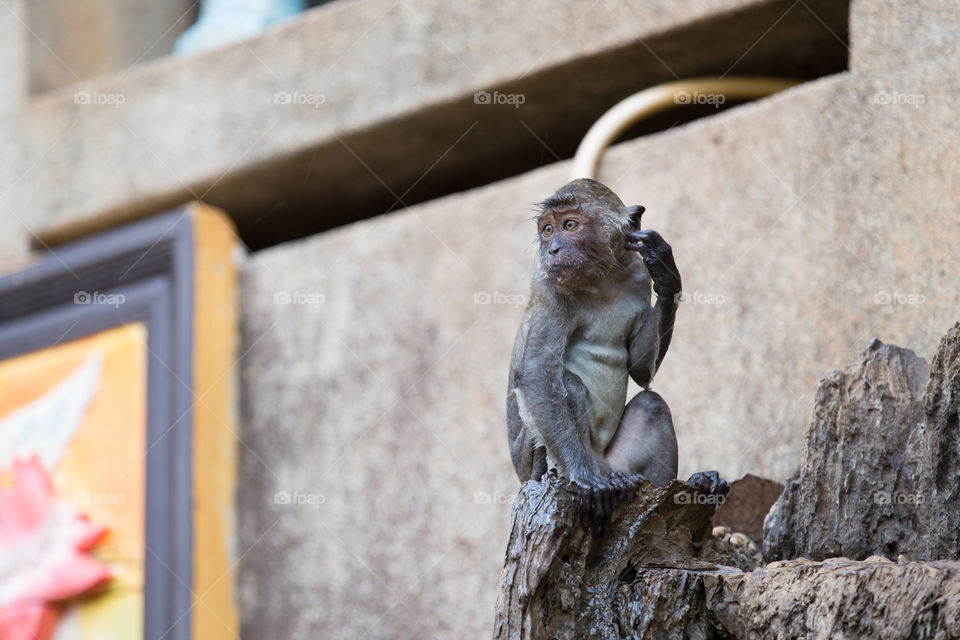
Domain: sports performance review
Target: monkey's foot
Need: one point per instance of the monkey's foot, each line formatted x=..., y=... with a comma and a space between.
x=709, y=482
x=599, y=494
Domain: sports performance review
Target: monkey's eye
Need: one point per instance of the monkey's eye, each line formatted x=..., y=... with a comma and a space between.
x=547, y=229
x=570, y=225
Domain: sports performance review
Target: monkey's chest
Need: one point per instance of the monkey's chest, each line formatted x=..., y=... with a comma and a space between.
x=599, y=357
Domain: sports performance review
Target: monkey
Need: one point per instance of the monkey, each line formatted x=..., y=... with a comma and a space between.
x=589, y=323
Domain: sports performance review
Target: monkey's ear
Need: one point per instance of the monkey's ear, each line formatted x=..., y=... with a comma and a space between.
x=636, y=212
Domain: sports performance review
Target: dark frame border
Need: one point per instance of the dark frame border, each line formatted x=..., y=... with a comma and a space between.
x=151, y=264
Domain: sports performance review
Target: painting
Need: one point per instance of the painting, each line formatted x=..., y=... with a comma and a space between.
x=109, y=527
x=63, y=411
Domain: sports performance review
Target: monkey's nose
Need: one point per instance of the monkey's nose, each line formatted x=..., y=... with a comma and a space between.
x=553, y=250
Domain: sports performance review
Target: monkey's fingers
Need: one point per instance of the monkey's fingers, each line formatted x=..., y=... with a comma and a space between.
x=601, y=511
x=586, y=505
x=647, y=236
x=634, y=240
x=648, y=242
x=610, y=501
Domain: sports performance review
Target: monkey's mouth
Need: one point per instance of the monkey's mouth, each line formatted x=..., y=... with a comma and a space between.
x=564, y=267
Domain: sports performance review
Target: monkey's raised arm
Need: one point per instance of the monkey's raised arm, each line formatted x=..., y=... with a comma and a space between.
x=658, y=257
x=666, y=310
x=643, y=348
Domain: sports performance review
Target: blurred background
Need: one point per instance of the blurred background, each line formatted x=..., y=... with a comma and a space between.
x=380, y=161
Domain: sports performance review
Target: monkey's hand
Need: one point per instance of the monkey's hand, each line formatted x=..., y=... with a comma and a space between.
x=709, y=482
x=658, y=256
x=599, y=493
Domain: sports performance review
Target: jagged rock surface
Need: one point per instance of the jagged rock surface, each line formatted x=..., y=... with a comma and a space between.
x=881, y=462
x=938, y=533
x=840, y=598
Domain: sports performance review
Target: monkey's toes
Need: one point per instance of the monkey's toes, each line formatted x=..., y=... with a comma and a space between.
x=709, y=482
x=625, y=484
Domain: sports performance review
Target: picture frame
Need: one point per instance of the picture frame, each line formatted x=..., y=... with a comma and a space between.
x=173, y=273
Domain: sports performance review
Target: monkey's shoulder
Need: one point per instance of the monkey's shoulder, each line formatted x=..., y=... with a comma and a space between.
x=640, y=275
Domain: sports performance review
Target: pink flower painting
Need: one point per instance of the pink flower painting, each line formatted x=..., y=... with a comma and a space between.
x=44, y=559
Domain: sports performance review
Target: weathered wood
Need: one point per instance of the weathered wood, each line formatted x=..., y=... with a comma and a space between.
x=877, y=440
x=559, y=582
x=644, y=579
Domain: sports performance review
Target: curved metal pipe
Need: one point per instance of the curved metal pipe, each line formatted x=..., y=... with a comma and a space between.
x=660, y=98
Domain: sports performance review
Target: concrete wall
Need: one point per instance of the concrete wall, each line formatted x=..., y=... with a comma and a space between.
x=72, y=40
x=375, y=369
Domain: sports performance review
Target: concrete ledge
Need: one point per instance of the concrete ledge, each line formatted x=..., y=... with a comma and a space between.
x=398, y=122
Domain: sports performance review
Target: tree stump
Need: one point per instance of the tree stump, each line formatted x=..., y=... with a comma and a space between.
x=559, y=582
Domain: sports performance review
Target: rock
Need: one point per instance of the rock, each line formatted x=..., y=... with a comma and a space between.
x=848, y=499
x=839, y=598
x=881, y=462
x=747, y=504
x=938, y=531
x=732, y=549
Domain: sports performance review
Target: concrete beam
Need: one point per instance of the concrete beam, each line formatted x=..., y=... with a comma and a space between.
x=243, y=127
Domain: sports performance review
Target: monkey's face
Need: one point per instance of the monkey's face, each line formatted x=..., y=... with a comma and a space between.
x=574, y=249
